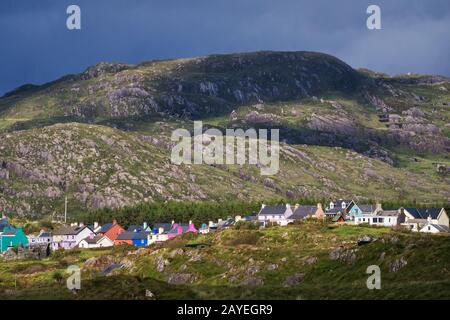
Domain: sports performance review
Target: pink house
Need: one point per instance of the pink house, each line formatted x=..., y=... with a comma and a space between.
x=179, y=229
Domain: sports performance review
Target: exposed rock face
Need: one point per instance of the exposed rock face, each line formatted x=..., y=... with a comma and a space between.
x=344, y=255
x=365, y=240
x=397, y=264
x=294, y=280
x=252, y=282
x=180, y=278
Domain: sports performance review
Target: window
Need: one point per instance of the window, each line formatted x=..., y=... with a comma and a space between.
x=429, y=228
x=381, y=220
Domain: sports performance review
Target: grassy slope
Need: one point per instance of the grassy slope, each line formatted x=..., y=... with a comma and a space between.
x=220, y=269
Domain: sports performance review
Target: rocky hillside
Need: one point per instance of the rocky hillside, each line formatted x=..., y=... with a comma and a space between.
x=102, y=137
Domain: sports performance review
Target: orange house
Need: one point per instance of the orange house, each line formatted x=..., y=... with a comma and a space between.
x=111, y=230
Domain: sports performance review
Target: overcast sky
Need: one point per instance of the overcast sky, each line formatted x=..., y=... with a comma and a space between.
x=36, y=46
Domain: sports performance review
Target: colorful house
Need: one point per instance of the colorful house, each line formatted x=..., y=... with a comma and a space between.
x=358, y=210
x=139, y=239
x=179, y=229
x=111, y=230
x=12, y=237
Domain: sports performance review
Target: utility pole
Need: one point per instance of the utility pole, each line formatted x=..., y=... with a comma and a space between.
x=65, y=211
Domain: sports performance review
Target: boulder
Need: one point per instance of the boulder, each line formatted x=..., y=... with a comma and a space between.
x=294, y=280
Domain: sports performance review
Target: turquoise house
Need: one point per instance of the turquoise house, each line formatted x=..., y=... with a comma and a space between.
x=12, y=237
x=355, y=211
x=358, y=210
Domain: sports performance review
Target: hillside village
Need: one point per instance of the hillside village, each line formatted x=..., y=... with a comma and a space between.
x=15, y=244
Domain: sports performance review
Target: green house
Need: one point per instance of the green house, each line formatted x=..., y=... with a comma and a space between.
x=12, y=237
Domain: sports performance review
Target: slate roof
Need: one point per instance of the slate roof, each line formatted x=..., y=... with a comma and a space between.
x=273, y=210
x=45, y=235
x=441, y=227
x=337, y=206
x=93, y=240
x=105, y=228
x=388, y=213
x=129, y=235
x=367, y=208
x=65, y=231
x=424, y=213
x=136, y=227
x=9, y=233
x=303, y=211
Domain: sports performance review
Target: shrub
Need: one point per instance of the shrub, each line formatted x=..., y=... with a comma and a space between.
x=246, y=225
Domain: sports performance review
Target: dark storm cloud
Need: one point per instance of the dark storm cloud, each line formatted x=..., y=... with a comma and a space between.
x=36, y=46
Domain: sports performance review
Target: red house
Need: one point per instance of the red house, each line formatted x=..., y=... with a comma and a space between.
x=111, y=230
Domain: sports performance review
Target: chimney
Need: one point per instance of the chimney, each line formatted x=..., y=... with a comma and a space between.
x=160, y=230
x=114, y=221
x=319, y=206
x=81, y=224
x=190, y=222
x=296, y=206
x=173, y=222
x=288, y=206
x=263, y=206
x=210, y=223
x=237, y=218
x=95, y=225
x=145, y=225
x=219, y=221
x=378, y=208
x=429, y=220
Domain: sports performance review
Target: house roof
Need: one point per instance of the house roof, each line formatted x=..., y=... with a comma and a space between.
x=72, y=230
x=94, y=240
x=273, y=210
x=367, y=208
x=388, y=213
x=130, y=235
x=105, y=228
x=303, y=211
x=338, y=206
x=44, y=235
x=9, y=233
x=441, y=228
x=424, y=213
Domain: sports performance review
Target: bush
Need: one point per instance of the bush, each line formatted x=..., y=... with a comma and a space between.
x=244, y=237
x=58, y=277
x=246, y=225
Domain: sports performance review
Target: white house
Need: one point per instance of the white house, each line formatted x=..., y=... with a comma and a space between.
x=434, y=228
x=70, y=237
x=96, y=241
x=276, y=214
x=385, y=218
x=43, y=237
x=416, y=218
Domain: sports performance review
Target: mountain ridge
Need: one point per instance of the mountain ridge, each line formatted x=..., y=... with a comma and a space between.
x=396, y=129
